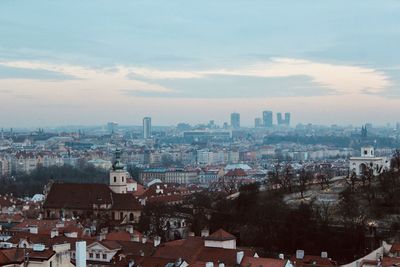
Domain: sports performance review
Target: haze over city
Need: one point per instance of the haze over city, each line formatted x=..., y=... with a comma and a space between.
x=64, y=62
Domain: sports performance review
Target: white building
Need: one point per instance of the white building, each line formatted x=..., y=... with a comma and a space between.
x=366, y=160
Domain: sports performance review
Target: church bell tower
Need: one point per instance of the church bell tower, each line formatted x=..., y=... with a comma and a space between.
x=118, y=175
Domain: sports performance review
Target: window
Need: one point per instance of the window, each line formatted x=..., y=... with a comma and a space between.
x=104, y=256
x=131, y=217
x=122, y=178
x=121, y=215
x=90, y=255
x=97, y=255
x=115, y=179
x=113, y=215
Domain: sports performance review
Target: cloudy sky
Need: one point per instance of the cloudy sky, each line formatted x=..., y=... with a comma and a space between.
x=89, y=62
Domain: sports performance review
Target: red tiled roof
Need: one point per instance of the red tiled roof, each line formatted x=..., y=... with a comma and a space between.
x=119, y=236
x=236, y=173
x=84, y=196
x=387, y=262
x=263, y=262
x=311, y=260
x=395, y=248
x=220, y=235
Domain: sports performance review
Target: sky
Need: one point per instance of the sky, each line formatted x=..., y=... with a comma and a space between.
x=71, y=62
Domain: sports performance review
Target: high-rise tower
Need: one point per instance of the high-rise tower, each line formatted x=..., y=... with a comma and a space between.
x=267, y=118
x=235, y=120
x=146, y=127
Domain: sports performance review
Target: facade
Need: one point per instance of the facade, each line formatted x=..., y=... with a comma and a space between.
x=181, y=177
x=147, y=128
x=235, y=120
x=267, y=118
x=366, y=160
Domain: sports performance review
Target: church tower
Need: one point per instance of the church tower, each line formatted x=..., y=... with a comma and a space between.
x=118, y=175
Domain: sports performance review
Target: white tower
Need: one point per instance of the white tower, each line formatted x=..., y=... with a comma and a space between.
x=118, y=175
x=367, y=152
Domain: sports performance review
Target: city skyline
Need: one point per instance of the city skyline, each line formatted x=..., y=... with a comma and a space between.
x=187, y=62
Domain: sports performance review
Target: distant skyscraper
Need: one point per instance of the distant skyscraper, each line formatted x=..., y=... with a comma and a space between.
x=257, y=122
x=283, y=121
x=146, y=127
x=235, y=120
x=112, y=126
x=287, y=118
x=267, y=118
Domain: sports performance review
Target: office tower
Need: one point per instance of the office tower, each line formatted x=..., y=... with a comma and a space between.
x=146, y=127
x=287, y=118
x=279, y=119
x=257, y=122
x=283, y=121
x=235, y=120
x=267, y=118
x=112, y=126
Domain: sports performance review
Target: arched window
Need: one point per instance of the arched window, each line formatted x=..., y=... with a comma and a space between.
x=122, y=178
x=115, y=179
x=131, y=217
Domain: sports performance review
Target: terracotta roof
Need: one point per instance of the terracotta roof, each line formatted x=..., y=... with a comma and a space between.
x=193, y=251
x=154, y=262
x=11, y=217
x=119, y=236
x=125, y=202
x=263, y=262
x=227, y=256
x=77, y=196
x=16, y=255
x=220, y=235
x=11, y=256
x=236, y=173
x=395, y=248
x=84, y=196
x=387, y=262
x=45, y=226
x=311, y=260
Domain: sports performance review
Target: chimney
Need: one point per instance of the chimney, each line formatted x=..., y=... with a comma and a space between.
x=136, y=237
x=101, y=237
x=54, y=233
x=209, y=264
x=324, y=254
x=80, y=253
x=33, y=229
x=144, y=239
x=205, y=233
x=221, y=264
x=129, y=229
x=142, y=201
x=299, y=254
x=157, y=241
x=131, y=263
x=239, y=257
x=281, y=256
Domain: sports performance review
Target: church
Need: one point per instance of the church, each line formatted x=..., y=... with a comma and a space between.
x=115, y=201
